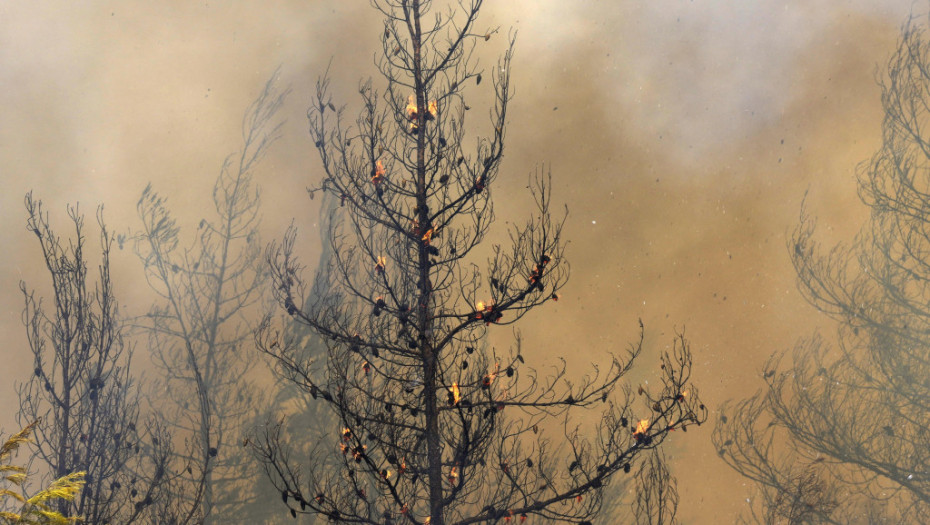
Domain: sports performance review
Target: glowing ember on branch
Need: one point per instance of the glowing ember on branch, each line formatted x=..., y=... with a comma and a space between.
x=641, y=427
x=346, y=434
x=432, y=108
x=480, y=306
x=427, y=237
x=412, y=111
x=366, y=367
x=380, y=263
x=378, y=174
x=453, y=476
x=488, y=379
x=411, y=107
x=456, y=394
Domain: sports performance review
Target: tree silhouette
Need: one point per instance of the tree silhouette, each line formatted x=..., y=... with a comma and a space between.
x=856, y=414
x=81, y=404
x=657, y=492
x=199, y=333
x=434, y=426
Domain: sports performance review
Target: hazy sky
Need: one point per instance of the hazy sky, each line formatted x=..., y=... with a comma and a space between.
x=682, y=134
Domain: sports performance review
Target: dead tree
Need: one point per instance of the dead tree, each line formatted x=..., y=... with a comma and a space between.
x=199, y=333
x=81, y=396
x=656, y=492
x=856, y=415
x=435, y=426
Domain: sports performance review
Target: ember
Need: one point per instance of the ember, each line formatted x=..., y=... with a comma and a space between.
x=641, y=427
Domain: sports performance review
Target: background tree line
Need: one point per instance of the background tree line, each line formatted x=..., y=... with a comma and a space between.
x=839, y=432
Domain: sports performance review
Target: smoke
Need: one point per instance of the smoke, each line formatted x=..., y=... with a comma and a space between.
x=682, y=135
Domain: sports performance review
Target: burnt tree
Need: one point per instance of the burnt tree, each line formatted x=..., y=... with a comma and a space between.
x=435, y=426
x=855, y=414
x=199, y=331
x=81, y=402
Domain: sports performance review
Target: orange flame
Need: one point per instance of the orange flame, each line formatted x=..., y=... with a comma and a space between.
x=428, y=236
x=480, y=306
x=453, y=475
x=456, y=394
x=411, y=107
x=641, y=427
x=346, y=433
x=379, y=173
x=412, y=111
x=380, y=263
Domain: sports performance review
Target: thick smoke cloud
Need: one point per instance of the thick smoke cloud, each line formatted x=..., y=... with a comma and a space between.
x=682, y=135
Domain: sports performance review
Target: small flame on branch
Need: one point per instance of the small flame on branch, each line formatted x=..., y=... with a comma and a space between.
x=488, y=379
x=453, y=476
x=641, y=427
x=427, y=237
x=411, y=107
x=456, y=394
x=378, y=176
x=380, y=263
x=412, y=111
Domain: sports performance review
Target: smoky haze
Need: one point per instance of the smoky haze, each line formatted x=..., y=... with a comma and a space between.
x=682, y=135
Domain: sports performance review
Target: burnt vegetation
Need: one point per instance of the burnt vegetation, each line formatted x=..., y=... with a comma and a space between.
x=433, y=426
x=855, y=414
x=81, y=403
